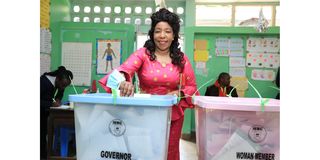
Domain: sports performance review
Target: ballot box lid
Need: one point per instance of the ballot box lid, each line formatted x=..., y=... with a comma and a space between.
x=237, y=103
x=107, y=98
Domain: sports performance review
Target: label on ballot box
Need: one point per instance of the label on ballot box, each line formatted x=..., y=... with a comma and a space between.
x=236, y=128
x=124, y=128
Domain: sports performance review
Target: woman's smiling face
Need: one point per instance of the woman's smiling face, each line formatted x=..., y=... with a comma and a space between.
x=163, y=36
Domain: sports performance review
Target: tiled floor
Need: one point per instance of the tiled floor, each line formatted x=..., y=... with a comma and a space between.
x=188, y=150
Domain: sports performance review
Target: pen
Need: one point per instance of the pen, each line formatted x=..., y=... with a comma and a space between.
x=55, y=95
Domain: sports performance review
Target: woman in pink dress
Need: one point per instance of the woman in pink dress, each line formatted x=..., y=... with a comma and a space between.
x=161, y=68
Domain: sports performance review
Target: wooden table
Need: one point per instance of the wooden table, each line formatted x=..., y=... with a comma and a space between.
x=58, y=117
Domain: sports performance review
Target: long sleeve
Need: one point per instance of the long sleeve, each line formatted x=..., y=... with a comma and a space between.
x=190, y=87
x=46, y=93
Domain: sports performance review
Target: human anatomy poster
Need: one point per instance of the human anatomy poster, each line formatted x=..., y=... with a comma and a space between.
x=108, y=55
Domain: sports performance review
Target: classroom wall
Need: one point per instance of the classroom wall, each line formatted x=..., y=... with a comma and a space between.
x=63, y=30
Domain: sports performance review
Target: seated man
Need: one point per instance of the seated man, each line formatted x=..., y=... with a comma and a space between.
x=221, y=87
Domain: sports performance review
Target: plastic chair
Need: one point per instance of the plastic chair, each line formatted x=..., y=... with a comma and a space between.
x=65, y=134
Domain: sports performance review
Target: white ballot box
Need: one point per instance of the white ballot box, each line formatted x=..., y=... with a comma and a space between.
x=122, y=128
x=237, y=128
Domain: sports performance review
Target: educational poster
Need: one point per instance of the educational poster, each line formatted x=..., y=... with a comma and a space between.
x=240, y=83
x=263, y=44
x=254, y=44
x=108, y=55
x=45, y=40
x=255, y=60
x=260, y=74
x=201, y=55
x=237, y=62
x=201, y=65
x=222, y=52
x=202, y=71
x=77, y=57
x=237, y=71
x=236, y=52
x=200, y=44
x=229, y=47
x=45, y=61
x=271, y=60
x=263, y=60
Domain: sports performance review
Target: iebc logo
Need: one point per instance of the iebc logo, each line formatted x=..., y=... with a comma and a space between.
x=257, y=133
x=117, y=127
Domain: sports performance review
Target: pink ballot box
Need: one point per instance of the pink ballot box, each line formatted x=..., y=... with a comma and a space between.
x=236, y=128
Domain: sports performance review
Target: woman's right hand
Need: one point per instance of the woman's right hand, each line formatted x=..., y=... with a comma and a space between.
x=126, y=89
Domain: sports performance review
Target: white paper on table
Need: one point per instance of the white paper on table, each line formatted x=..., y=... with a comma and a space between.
x=238, y=142
x=61, y=107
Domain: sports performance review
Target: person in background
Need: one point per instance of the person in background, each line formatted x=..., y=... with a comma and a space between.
x=52, y=85
x=221, y=87
x=161, y=68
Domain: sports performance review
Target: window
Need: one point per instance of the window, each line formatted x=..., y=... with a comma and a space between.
x=96, y=9
x=87, y=9
x=76, y=19
x=278, y=16
x=249, y=15
x=147, y=21
x=137, y=21
x=86, y=19
x=107, y=9
x=220, y=15
x=127, y=10
x=76, y=9
x=96, y=20
x=148, y=10
x=235, y=12
x=180, y=10
x=138, y=9
x=106, y=20
x=117, y=20
x=117, y=9
x=127, y=20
